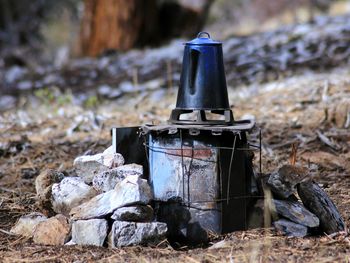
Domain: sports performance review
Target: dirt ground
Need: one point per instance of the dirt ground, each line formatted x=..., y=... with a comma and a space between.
x=302, y=110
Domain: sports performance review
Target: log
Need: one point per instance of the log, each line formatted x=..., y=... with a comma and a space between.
x=318, y=202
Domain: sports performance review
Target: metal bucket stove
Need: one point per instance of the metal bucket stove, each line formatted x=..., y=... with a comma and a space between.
x=200, y=167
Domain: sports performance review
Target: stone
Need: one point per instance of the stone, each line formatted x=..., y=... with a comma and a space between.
x=318, y=202
x=53, y=231
x=25, y=85
x=47, y=178
x=283, y=182
x=88, y=166
x=290, y=228
x=69, y=193
x=296, y=212
x=7, y=102
x=221, y=244
x=132, y=190
x=139, y=213
x=107, y=180
x=131, y=233
x=112, y=159
x=43, y=187
x=26, y=224
x=89, y=232
x=70, y=243
x=130, y=169
x=14, y=73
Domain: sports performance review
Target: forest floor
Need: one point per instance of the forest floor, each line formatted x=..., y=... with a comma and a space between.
x=304, y=109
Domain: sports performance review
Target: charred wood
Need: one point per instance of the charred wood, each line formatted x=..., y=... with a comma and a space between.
x=318, y=202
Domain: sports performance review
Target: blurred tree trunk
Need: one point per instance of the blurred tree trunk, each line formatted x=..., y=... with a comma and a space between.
x=124, y=24
x=114, y=24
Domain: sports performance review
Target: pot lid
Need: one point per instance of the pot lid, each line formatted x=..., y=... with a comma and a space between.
x=203, y=38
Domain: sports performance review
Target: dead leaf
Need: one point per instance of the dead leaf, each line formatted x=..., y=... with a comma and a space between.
x=325, y=159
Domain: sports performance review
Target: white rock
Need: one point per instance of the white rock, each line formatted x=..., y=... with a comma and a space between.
x=138, y=213
x=70, y=243
x=69, y=193
x=132, y=190
x=107, y=180
x=88, y=166
x=109, y=150
x=221, y=244
x=131, y=233
x=27, y=223
x=45, y=179
x=130, y=169
x=14, y=73
x=89, y=232
x=112, y=160
x=43, y=187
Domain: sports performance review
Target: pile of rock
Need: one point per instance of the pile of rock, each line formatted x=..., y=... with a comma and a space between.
x=315, y=214
x=106, y=204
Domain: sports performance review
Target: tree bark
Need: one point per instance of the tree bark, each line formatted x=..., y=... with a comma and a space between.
x=124, y=24
x=114, y=24
x=318, y=202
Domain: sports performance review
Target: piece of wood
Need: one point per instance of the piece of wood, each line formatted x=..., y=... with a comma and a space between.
x=293, y=155
x=318, y=202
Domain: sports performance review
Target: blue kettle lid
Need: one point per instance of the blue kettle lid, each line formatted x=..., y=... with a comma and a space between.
x=202, y=40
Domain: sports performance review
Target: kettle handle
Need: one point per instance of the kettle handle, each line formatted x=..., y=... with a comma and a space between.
x=203, y=33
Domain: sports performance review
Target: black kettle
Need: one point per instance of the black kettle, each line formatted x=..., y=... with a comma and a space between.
x=203, y=84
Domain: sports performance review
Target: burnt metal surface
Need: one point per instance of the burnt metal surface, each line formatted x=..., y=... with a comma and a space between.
x=237, y=126
x=128, y=142
x=204, y=177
